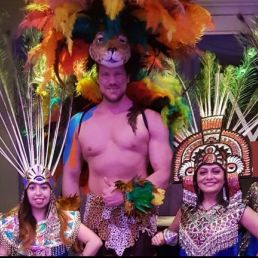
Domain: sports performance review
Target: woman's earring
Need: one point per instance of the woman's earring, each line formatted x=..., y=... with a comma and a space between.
x=224, y=193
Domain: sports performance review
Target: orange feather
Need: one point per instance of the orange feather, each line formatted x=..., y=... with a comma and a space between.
x=79, y=53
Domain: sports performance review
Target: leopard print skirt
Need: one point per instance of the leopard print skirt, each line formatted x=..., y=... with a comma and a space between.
x=113, y=226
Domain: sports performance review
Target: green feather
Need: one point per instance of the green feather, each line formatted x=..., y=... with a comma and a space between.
x=141, y=196
x=243, y=83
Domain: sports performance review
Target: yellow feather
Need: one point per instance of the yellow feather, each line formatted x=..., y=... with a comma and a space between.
x=89, y=89
x=41, y=90
x=71, y=203
x=113, y=7
x=36, y=7
x=79, y=68
x=159, y=196
x=64, y=18
x=164, y=85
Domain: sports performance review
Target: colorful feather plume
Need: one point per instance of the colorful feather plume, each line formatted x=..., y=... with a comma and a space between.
x=140, y=196
x=226, y=91
x=88, y=88
x=156, y=30
x=154, y=25
x=64, y=18
x=113, y=8
x=27, y=138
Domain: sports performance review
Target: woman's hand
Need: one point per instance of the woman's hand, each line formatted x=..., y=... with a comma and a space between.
x=90, y=239
x=4, y=251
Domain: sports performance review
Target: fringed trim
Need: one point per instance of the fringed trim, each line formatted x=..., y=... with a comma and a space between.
x=211, y=246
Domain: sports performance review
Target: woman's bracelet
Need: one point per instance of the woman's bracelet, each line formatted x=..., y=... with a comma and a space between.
x=170, y=237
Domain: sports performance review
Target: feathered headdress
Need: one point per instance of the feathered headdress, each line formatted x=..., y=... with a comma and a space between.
x=30, y=139
x=225, y=105
x=154, y=30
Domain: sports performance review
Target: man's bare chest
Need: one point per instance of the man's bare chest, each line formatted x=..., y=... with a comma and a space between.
x=107, y=134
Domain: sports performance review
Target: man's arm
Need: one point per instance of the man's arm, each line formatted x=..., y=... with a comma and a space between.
x=160, y=153
x=72, y=159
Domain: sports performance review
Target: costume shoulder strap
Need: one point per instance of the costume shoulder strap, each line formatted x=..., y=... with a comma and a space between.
x=85, y=115
x=145, y=119
x=75, y=123
x=132, y=115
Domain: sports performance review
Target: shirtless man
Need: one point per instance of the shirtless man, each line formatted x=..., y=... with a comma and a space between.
x=113, y=151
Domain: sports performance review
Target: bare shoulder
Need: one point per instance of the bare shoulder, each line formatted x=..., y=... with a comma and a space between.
x=152, y=114
x=155, y=121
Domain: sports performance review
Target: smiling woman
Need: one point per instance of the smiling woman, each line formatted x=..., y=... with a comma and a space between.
x=208, y=161
x=42, y=225
x=38, y=196
x=208, y=224
x=211, y=184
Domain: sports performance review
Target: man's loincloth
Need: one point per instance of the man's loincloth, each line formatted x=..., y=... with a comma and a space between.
x=113, y=226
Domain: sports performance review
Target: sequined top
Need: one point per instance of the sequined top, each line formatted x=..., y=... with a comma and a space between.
x=208, y=232
x=251, y=198
x=249, y=243
x=47, y=240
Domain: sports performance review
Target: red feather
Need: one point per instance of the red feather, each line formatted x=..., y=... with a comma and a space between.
x=38, y=20
x=79, y=52
x=140, y=94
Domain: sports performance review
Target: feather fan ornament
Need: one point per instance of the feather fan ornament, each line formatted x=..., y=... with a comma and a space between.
x=27, y=141
x=221, y=91
x=249, y=38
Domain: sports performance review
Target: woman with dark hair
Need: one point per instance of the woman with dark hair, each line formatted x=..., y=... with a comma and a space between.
x=209, y=158
x=32, y=141
x=44, y=226
x=210, y=225
x=223, y=195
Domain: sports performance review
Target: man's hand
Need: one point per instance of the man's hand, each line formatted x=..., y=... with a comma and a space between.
x=111, y=195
